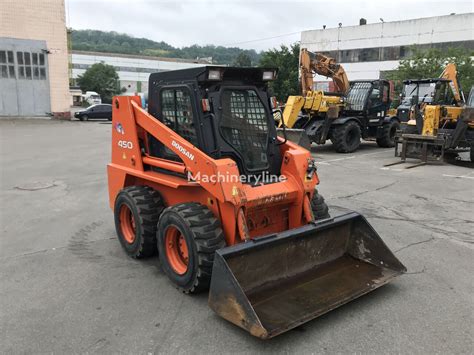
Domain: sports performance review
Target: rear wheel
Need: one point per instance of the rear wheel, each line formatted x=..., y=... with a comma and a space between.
x=136, y=211
x=188, y=236
x=346, y=137
x=387, y=140
x=319, y=207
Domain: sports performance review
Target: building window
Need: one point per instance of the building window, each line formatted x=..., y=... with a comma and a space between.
x=31, y=65
x=394, y=53
x=7, y=65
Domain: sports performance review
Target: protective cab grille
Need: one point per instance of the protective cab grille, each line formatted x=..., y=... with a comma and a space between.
x=244, y=126
x=357, y=96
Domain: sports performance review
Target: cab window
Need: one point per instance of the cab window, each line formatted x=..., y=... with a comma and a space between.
x=176, y=112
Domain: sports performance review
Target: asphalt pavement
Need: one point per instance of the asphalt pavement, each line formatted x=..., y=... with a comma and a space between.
x=66, y=286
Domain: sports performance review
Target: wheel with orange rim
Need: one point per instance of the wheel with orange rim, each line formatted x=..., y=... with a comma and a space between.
x=188, y=235
x=136, y=210
x=177, y=251
x=127, y=224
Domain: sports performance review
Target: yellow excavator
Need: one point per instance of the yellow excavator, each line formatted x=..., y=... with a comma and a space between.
x=438, y=120
x=357, y=109
x=300, y=109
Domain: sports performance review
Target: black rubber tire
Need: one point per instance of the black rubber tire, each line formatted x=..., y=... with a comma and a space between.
x=319, y=207
x=84, y=118
x=388, y=136
x=203, y=235
x=471, y=153
x=146, y=206
x=346, y=137
x=408, y=129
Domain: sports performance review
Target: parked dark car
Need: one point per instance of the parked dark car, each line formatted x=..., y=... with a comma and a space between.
x=95, y=111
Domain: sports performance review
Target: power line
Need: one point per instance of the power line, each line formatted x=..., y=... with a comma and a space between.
x=262, y=39
x=346, y=40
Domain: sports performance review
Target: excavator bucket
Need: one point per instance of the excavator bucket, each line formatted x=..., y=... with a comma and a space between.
x=274, y=283
x=298, y=136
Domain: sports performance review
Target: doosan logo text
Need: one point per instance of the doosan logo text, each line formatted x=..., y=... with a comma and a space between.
x=182, y=150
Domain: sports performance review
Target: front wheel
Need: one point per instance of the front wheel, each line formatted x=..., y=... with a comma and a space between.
x=346, y=137
x=188, y=236
x=84, y=118
x=387, y=139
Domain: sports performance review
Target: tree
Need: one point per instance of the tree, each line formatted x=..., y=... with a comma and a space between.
x=430, y=64
x=101, y=78
x=286, y=59
x=242, y=60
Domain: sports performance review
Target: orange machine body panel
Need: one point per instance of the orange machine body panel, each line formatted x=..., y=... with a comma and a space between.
x=268, y=208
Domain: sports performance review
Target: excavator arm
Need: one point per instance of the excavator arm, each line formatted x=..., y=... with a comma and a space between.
x=322, y=65
x=315, y=101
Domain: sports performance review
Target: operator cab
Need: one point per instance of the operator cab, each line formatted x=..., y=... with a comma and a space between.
x=424, y=91
x=224, y=111
x=368, y=98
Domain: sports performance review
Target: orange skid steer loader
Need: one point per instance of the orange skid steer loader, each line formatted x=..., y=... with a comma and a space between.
x=203, y=179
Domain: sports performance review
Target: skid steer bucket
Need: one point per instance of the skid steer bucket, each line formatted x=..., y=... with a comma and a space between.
x=297, y=136
x=275, y=283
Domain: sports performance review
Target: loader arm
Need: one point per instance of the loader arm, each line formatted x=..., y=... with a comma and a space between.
x=193, y=158
x=293, y=107
x=450, y=72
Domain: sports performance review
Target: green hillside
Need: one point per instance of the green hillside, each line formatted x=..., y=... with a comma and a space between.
x=113, y=42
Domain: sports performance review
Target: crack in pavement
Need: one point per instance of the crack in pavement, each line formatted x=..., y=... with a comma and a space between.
x=415, y=243
x=422, y=271
x=49, y=249
x=364, y=192
x=425, y=223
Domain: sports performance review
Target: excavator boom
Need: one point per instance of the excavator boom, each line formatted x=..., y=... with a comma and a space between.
x=320, y=64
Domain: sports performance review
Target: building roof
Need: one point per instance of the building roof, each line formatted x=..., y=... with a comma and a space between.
x=468, y=14
x=122, y=55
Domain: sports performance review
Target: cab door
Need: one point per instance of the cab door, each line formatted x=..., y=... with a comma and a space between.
x=177, y=110
x=379, y=102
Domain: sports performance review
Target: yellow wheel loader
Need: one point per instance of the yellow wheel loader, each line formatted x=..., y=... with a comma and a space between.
x=437, y=119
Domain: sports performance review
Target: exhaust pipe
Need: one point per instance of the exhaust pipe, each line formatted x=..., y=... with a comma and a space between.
x=274, y=283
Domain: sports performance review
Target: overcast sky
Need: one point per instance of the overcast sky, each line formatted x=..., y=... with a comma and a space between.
x=242, y=23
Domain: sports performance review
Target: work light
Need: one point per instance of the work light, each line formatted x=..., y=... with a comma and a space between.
x=268, y=75
x=215, y=74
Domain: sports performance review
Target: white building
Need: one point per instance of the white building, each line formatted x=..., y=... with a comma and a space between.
x=133, y=70
x=368, y=50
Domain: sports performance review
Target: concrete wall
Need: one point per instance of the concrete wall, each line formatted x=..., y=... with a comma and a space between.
x=423, y=31
x=42, y=20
